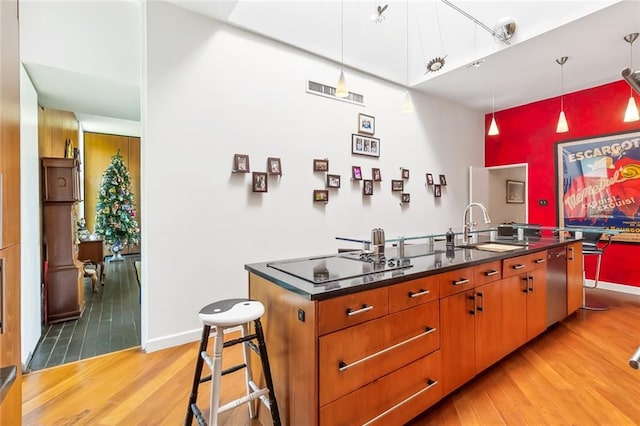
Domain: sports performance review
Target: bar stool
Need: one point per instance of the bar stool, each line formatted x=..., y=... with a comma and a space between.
x=591, y=247
x=219, y=316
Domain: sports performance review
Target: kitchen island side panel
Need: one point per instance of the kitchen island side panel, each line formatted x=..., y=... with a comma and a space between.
x=290, y=328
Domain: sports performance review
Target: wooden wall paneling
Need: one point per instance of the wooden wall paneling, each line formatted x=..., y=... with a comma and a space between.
x=98, y=150
x=54, y=128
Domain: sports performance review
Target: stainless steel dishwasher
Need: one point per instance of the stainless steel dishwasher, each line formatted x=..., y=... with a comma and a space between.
x=556, y=285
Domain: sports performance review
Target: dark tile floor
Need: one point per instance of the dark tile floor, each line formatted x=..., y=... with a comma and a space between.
x=111, y=320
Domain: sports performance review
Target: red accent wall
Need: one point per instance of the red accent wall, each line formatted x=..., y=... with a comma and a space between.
x=528, y=135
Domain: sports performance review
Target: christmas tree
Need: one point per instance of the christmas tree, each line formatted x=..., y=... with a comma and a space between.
x=115, y=212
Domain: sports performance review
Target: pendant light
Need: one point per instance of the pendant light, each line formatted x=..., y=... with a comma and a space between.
x=631, y=113
x=493, y=127
x=407, y=105
x=562, y=120
x=341, y=87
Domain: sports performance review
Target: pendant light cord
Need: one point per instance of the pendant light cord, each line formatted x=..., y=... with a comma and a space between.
x=407, y=19
x=561, y=87
x=341, y=35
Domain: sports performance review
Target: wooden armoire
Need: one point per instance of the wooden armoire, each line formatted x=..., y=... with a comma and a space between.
x=64, y=295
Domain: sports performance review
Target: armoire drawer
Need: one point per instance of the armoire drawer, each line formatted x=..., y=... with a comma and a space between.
x=351, y=309
x=413, y=293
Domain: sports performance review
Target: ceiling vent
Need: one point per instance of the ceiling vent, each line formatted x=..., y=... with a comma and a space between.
x=633, y=78
x=320, y=89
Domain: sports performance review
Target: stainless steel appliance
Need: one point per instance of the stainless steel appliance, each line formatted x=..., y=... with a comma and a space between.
x=556, y=285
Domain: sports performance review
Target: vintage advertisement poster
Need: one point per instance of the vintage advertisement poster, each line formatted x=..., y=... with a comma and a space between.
x=599, y=184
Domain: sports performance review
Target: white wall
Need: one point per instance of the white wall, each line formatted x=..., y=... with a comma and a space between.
x=212, y=91
x=29, y=218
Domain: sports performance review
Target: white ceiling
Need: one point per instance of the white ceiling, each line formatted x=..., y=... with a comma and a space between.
x=84, y=56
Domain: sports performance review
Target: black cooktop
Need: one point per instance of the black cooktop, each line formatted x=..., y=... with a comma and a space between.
x=320, y=270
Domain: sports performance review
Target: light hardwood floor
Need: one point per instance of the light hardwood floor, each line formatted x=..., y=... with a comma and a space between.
x=576, y=373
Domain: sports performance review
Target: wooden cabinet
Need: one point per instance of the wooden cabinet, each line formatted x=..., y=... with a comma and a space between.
x=574, y=277
x=10, y=356
x=489, y=316
x=64, y=295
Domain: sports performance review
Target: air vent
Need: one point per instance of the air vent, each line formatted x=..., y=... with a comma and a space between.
x=320, y=89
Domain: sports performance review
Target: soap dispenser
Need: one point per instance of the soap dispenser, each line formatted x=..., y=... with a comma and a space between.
x=450, y=235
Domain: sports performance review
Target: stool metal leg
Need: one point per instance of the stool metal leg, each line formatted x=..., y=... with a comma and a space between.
x=206, y=330
x=593, y=306
x=216, y=376
x=248, y=374
x=275, y=414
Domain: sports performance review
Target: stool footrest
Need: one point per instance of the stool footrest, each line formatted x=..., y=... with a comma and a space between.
x=243, y=339
x=245, y=399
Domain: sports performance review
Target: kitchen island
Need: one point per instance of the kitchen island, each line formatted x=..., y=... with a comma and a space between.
x=353, y=341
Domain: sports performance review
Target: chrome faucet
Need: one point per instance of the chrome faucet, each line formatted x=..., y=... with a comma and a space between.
x=467, y=225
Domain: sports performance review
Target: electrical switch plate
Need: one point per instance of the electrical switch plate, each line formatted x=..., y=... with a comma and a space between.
x=301, y=315
x=542, y=202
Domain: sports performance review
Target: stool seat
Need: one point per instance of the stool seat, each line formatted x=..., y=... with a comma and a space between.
x=231, y=312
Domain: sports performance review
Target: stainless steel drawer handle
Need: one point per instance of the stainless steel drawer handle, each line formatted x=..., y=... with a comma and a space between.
x=518, y=266
x=342, y=366
x=422, y=292
x=541, y=260
x=430, y=383
x=491, y=273
x=460, y=282
x=365, y=308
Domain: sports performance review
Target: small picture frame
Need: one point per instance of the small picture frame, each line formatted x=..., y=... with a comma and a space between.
x=515, y=192
x=406, y=198
x=364, y=145
x=367, y=187
x=320, y=165
x=443, y=180
x=321, y=195
x=366, y=124
x=437, y=191
x=259, y=182
x=274, y=166
x=376, y=175
x=405, y=173
x=397, y=185
x=356, y=172
x=241, y=163
x=333, y=181
x=429, y=179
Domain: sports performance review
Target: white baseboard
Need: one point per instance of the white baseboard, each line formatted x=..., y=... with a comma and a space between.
x=178, y=339
x=620, y=288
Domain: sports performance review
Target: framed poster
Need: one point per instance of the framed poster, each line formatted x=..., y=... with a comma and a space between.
x=515, y=192
x=598, y=184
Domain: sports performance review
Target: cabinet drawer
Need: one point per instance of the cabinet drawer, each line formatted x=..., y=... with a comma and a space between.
x=413, y=293
x=404, y=393
x=355, y=356
x=456, y=281
x=487, y=272
x=520, y=264
x=352, y=309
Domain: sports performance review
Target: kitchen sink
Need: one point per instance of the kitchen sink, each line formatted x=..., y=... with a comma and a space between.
x=495, y=246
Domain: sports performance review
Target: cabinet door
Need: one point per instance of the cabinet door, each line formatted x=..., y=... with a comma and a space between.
x=457, y=339
x=11, y=405
x=488, y=325
x=514, y=308
x=536, y=302
x=574, y=277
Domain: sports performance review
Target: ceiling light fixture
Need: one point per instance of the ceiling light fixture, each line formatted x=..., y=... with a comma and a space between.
x=407, y=105
x=493, y=127
x=378, y=17
x=631, y=113
x=341, y=87
x=562, y=120
x=506, y=27
x=436, y=63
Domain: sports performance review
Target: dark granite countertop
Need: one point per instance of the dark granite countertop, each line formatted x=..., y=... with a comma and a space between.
x=332, y=275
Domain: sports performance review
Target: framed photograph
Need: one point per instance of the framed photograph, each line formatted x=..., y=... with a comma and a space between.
x=333, y=181
x=375, y=173
x=406, y=198
x=356, y=172
x=366, y=124
x=241, y=163
x=259, y=182
x=443, y=180
x=429, y=179
x=405, y=173
x=595, y=185
x=274, y=167
x=515, y=192
x=397, y=185
x=320, y=165
x=320, y=195
x=364, y=145
x=367, y=188
x=437, y=191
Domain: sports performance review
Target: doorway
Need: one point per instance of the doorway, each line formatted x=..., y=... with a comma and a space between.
x=488, y=186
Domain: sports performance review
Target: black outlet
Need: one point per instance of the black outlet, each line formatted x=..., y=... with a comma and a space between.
x=543, y=202
x=301, y=315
